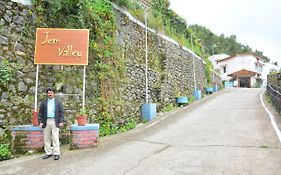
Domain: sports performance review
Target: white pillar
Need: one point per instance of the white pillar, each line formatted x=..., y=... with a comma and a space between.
x=193, y=64
x=146, y=61
x=36, y=87
x=84, y=85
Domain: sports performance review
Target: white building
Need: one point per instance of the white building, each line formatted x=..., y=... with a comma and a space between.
x=244, y=70
x=214, y=60
x=267, y=69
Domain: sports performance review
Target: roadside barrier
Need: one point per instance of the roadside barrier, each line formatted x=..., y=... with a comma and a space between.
x=275, y=96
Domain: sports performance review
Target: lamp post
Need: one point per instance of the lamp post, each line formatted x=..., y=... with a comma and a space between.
x=148, y=110
x=193, y=63
x=146, y=55
x=145, y=6
x=196, y=92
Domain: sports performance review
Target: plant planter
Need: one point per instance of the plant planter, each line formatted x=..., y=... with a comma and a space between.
x=84, y=136
x=182, y=100
x=228, y=84
x=81, y=120
x=26, y=138
x=209, y=90
x=148, y=111
x=197, y=94
x=216, y=88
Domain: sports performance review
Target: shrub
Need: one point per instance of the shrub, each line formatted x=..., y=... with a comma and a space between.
x=5, y=152
x=155, y=21
x=7, y=70
x=191, y=99
x=110, y=127
x=124, y=3
x=169, y=107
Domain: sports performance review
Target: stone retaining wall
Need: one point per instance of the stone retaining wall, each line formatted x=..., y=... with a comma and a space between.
x=170, y=68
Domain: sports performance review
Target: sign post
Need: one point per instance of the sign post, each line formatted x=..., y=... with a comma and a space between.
x=61, y=47
x=36, y=87
x=84, y=85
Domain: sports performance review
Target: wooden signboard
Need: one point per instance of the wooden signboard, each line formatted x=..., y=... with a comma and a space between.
x=61, y=46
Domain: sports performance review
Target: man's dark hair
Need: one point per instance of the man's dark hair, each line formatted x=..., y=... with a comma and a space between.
x=50, y=89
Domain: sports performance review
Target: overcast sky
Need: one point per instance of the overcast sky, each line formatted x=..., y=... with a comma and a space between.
x=256, y=23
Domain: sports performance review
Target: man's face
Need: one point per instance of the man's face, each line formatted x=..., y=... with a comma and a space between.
x=50, y=94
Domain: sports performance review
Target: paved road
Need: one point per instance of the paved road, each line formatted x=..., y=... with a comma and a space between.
x=226, y=133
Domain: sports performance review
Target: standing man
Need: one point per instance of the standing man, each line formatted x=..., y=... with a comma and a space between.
x=51, y=118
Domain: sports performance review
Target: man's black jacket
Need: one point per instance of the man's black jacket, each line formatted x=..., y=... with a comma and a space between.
x=59, y=114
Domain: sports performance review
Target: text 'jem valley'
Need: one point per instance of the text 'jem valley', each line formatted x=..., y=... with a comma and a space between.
x=64, y=51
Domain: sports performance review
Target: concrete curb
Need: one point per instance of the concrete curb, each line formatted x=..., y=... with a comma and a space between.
x=271, y=116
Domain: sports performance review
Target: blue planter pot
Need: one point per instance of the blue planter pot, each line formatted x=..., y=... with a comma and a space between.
x=228, y=84
x=209, y=90
x=197, y=94
x=148, y=111
x=216, y=88
x=182, y=100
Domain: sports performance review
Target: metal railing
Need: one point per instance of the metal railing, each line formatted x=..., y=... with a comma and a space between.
x=275, y=96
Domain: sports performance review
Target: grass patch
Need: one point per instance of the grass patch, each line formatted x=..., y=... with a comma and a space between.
x=169, y=107
x=264, y=146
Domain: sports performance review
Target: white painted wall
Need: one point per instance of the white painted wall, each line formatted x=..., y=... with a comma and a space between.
x=24, y=2
x=253, y=81
x=216, y=67
x=218, y=57
x=239, y=62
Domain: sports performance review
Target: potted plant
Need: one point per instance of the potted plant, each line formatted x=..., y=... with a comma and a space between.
x=215, y=88
x=82, y=117
x=148, y=111
x=181, y=99
x=197, y=94
x=209, y=89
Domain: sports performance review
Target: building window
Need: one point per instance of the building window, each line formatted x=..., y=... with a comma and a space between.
x=224, y=69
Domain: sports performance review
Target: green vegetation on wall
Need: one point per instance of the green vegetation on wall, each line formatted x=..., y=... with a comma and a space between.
x=5, y=144
x=7, y=71
x=5, y=152
x=106, y=65
x=198, y=38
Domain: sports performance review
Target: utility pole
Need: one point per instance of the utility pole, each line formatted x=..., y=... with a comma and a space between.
x=148, y=110
x=193, y=63
x=145, y=5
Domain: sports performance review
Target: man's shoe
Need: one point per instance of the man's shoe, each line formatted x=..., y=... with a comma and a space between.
x=47, y=156
x=56, y=157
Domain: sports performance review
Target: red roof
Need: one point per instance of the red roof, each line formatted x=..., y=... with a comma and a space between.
x=243, y=72
x=241, y=54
